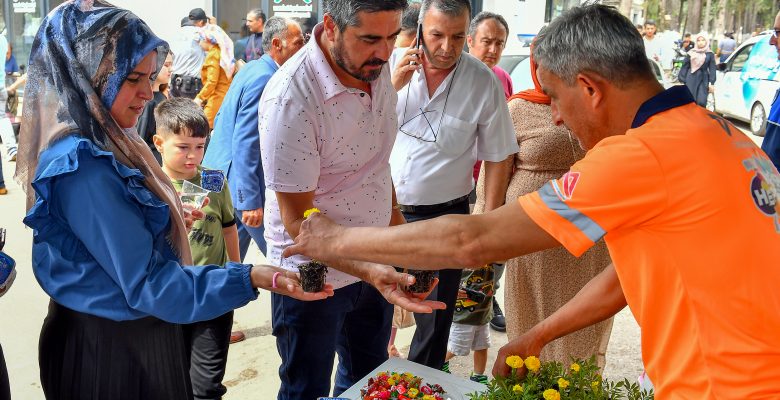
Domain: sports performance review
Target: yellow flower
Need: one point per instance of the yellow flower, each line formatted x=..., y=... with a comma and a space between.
x=595, y=385
x=412, y=393
x=533, y=364
x=575, y=367
x=563, y=383
x=428, y=397
x=515, y=362
x=551, y=394
x=391, y=381
x=310, y=212
x=517, y=389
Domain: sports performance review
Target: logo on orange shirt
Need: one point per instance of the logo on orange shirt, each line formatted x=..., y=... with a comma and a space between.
x=569, y=182
x=764, y=187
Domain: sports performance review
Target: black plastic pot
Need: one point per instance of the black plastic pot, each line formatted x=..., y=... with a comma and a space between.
x=313, y=276
x=423, y=280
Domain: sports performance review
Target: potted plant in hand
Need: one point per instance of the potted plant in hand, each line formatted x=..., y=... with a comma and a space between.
x=312, y=273
x=423, y=281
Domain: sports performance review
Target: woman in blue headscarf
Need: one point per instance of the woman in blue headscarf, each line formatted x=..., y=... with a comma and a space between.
x=109, y=238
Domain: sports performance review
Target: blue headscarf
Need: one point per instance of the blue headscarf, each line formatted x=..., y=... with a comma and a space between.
x=82, y=54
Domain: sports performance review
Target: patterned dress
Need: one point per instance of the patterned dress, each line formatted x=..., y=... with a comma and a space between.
x=538, y=284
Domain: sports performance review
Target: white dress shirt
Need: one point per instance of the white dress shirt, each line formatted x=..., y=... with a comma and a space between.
x=474, y=124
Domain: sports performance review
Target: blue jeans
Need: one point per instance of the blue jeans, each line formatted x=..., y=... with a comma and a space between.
x=429, y=344
x=246, y=234
x=354, y=323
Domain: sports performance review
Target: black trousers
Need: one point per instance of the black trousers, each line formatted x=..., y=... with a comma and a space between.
x=5, y=388
x=429, y=344
x=85, y=357
x=185, y=86
x=208, y=342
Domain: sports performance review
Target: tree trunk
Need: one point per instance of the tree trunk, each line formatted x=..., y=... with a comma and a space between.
x=694, y=15
x=674, y=10
x=707, y=18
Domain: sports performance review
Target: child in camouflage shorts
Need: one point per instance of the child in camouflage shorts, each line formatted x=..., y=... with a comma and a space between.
x=470, y=324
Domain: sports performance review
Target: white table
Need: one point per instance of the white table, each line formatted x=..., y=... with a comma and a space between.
x=456, y=387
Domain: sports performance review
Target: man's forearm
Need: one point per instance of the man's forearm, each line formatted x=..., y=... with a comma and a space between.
x=601, y=298
x=497, y=176
x=450, y=241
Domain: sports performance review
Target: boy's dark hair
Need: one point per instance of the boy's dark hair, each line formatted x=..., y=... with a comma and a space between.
x=181, y=116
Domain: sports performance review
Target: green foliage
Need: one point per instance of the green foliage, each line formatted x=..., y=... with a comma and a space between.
x=554, y=381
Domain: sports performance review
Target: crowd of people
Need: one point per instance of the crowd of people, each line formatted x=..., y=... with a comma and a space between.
x=593, y=190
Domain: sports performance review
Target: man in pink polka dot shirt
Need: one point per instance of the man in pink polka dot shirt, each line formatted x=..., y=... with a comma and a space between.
x=327, y=126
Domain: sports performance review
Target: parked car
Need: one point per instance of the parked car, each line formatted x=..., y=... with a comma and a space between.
x=747, y=82
x=519, y=68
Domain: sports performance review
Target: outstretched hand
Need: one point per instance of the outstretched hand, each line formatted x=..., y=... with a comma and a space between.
x=524, y=346
x=287, y=283
x=388, y=282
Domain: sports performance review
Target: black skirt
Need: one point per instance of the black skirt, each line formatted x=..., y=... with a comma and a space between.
x=84, y=357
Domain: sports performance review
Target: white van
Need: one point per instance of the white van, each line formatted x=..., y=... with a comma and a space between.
x=747, y=83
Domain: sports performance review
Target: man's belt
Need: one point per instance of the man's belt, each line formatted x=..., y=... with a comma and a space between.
x=426, y=208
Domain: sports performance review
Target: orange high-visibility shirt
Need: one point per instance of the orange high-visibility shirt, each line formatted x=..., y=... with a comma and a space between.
x=688, y=206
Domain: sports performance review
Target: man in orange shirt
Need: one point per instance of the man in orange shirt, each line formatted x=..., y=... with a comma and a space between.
x=685, y=201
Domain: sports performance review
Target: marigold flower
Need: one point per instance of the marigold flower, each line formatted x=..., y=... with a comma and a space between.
x=551, y=394
x=517, y=389
x=595, y=385
x=575, y=367
x=515, y=362
x=391, y=381
x=563, y=383
x=310, y=212
x=428, y=397
x=412, y=393
x=533, y=364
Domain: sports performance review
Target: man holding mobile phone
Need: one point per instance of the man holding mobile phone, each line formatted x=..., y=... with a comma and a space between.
x=451, y=111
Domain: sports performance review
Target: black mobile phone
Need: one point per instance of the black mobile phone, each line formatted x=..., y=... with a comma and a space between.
x=419, y=36
x=418, y=45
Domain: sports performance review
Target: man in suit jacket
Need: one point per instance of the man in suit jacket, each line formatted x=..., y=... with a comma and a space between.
x=235, y=143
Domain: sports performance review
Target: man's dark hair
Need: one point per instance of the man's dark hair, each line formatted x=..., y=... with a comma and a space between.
x=650, y=22
x=687, y=34
x=593, y=38
x=483, y=16
x=454, y=8
x=410, y=18
x=258, y=13
x=345, y=12
x=181, y=116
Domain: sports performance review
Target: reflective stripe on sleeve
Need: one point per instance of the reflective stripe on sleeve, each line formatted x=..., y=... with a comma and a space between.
x=588, y=226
